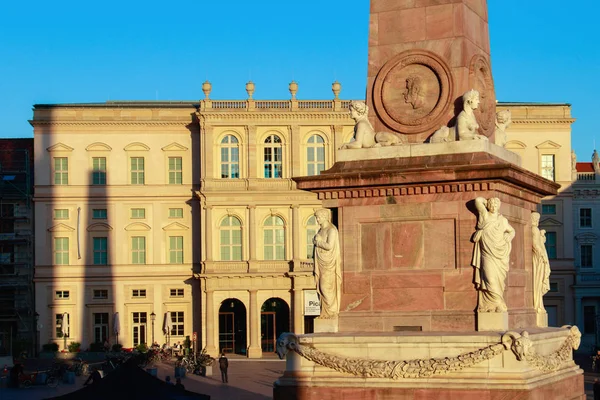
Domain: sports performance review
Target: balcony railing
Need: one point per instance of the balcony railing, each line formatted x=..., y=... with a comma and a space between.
x=275, y=105
x=586, y=176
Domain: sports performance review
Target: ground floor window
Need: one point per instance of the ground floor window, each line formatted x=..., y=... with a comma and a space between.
x=589, y=319
x=59, y=325
x=177, y=323
x=139, y=320
x=100, y=327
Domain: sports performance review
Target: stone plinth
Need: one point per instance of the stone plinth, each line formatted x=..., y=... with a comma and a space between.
x=492, y=322
x=545, y=371
x=330, y=325
x=406, y=223
x=423, y=55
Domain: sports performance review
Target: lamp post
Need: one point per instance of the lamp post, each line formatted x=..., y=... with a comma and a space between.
x=152, y=318
x=37, y=333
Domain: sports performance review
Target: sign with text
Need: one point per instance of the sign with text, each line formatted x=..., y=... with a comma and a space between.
x=312, y=305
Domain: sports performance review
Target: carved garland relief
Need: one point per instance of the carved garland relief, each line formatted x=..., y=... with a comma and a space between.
x=520, y=345
x=412, y=92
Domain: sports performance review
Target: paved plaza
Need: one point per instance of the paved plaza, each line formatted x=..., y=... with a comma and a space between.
x=248, y=380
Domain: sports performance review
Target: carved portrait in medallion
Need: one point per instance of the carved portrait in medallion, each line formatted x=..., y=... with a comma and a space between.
x=480, y=79
x=412, y=91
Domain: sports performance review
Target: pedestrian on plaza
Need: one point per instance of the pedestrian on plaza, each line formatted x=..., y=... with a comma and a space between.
x=168, y=380
x=223, y=365
x=179, y=385
x=94, y=377
x=596, y=389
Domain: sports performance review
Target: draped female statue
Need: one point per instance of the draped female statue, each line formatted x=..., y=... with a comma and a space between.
x=491, y=255
x=327, y=265
x=541, y=264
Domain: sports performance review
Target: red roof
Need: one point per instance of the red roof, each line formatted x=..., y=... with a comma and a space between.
x=585, y=167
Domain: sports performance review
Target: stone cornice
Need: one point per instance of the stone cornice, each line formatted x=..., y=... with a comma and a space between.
x=543, y=121
x=275, y=117
x=35, y=123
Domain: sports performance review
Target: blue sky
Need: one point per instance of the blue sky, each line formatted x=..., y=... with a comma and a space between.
x=72, y=51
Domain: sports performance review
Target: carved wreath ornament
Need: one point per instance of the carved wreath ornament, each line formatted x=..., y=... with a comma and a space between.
x=520, y=344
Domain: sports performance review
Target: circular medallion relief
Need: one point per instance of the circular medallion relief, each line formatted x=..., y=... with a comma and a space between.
x=412, y=92
x=480, y=79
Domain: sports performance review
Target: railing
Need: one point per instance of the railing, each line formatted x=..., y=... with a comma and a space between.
x=586, y=176
x=315, y=104
x=345, y=104
x=226, y=266
x=229, y=104
x=273, y=104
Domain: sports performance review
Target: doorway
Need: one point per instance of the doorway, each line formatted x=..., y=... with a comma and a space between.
x=139, y=328
x=274, y=320
x=232, y=327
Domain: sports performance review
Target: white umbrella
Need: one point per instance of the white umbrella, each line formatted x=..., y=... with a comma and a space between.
x=167, y=325
x=116, y=325
x=65, y=325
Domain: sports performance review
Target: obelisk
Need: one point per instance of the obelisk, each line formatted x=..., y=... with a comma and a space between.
x=423, y=55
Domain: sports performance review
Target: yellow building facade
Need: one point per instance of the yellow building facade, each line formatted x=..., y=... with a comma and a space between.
x=187, y=211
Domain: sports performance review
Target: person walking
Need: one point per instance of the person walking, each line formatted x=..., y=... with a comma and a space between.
x=223, y=365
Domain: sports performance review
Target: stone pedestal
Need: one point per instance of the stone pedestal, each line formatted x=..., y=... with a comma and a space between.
x=406, y=216
x=330, y=325
x=492, y=322
x=542, y=319
x=438, y=366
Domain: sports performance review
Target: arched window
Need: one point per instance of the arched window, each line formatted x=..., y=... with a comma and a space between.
x=274, y=239
x=231, y=239
x=273, y=157
x=230, y=157
x=315, y=155
x=311, y=230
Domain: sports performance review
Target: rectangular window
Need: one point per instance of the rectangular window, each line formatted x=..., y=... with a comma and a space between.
x=586, y=255
x=140, y=320
x=99, y=171
x=137, y=170
x=548, y=166
x=589, y=319
x=175, y=212
x=177, y=321
x=61, y=213
x=100, y=294
x=100, y=251
x=59, y=325
x=176, y=293
x=175, y=249
x=175, y=174
x=553, y=287
x=138, y=213
x=138, y=250
x=61, y=294
x=585, y=217
x=100, y=327
x=140, y=293
x=551, y=245
x=99, y=213
x=61, y=251
x=61, y=171
x=549, y=209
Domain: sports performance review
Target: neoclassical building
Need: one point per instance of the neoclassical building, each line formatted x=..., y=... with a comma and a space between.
x=186, y=211
x=541, y=134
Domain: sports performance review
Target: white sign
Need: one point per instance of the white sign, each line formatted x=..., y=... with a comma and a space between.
x=312, y=305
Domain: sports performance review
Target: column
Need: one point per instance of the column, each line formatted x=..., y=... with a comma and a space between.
x=579, y=312
x=252, y=231
x=211, y=348
x=298, y=311
x=209, y=233
x=296, y=225
x=254, y=349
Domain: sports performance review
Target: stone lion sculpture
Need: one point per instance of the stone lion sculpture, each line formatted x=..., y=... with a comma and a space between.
x=364, y=134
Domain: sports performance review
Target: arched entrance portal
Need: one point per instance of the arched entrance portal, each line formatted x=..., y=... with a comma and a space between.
x=232, y=327
x=274, y=320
